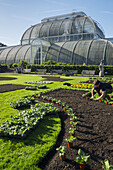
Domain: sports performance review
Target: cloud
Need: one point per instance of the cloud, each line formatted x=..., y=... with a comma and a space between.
x=55, y=10
x=107, y=12
x=25, y=18
x=7, y=4
x=55, y=2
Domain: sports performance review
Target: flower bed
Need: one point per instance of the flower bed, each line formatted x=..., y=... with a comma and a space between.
x=84, y=86
x=38, y=82
x=31, y=88
x=23, y=102
x=20, y=125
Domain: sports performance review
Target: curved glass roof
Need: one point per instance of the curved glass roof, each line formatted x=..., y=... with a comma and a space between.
x=62, y=26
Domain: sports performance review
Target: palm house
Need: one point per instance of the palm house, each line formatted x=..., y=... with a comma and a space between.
x=70, y=38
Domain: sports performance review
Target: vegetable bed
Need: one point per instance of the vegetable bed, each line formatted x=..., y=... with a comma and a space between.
x=94, y=132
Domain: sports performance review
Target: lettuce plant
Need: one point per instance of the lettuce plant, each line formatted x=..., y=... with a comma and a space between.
x=106, y=165
x=70, y=139
x=82, y=159
x=62, y=151
x=23, y=102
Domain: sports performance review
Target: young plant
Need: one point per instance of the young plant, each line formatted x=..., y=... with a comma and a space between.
x=54, y=100
x=65, y=108
x=72, y=131
x=61, y=150
x=74, y=124
x=106, y=165
x=58, y=102
x=63, y=104
x=74, y=118
x=49, y=98
x=44, y=97
x=82, y=159
x=71, y=139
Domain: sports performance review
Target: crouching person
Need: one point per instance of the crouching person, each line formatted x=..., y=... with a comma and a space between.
x=103, y=89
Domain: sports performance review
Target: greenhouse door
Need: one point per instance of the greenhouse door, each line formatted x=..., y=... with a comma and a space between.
x=37, y=58
x=36, y=51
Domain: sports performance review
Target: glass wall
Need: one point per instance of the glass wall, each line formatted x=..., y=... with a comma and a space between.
x=72, y=29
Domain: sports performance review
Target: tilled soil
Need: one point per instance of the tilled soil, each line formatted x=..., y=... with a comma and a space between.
x=55, y=78
x=10, y=87
x=7, y=78
x=94, y=132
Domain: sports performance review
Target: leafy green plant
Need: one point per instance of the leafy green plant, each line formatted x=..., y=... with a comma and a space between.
x=66, y=108
x=59, y=102
x=39, y=82
x=63, y=103
x=31, y=87
x=72, y=130
x=62, y=151
x=70, y=139
x=49, y=98
x=21, y=124
x=22, y=102
x=54, y=100
x=82, y=159
x=74, y=118
x=44, y=97
x=106, y=165
x=74, y=124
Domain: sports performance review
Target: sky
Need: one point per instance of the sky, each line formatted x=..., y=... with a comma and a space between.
x=16, y=16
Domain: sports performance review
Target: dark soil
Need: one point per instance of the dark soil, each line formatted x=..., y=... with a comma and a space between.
x=55, y=78
x=7, y=78
x=10, y=87
x=94, y=132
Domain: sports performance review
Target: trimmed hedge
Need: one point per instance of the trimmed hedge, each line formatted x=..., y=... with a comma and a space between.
x=3, y=68
x=49, y=67
x=107, y=69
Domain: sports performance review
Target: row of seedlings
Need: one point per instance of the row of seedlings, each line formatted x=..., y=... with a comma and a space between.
x=82, y=159
x=106, y=101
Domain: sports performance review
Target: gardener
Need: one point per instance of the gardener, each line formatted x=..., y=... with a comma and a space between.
x=103, y=89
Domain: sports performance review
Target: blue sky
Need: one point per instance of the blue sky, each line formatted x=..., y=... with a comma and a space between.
x=16, y=16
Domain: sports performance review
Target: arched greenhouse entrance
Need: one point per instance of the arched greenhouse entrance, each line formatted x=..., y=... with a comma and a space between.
x=39, y=50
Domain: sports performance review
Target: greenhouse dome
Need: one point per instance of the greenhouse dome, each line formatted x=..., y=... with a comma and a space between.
x=70, y=27
x=71, y=38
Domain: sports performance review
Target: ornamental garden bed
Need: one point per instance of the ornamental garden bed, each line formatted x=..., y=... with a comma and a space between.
x=7, y=78
x=94, y=132
x=53, y=78
x=10, y=87
x=20, y=125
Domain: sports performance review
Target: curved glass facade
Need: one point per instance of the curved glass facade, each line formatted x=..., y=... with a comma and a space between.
x=78, y=52
x=64, y=29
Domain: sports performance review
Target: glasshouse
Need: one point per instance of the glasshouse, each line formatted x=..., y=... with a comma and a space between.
x=70, y=38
